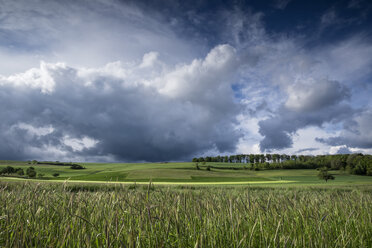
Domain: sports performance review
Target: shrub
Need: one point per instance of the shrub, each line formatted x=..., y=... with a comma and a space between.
x=77, y=167
x=20, y=171
x=8, y=170
x=31, y=172
x=324, y=174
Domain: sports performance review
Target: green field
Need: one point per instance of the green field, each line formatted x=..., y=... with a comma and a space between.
x=176, y=205
x=36, y=214
x=183, y=173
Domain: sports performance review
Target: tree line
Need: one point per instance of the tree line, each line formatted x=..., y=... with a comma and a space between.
x=357, y=163
x=9, y=170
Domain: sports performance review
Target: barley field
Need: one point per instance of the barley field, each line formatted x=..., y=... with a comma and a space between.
x=76, y=215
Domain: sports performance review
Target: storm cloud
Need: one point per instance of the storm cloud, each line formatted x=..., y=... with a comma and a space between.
x=309, y=103
x=121, y=112
x=159, y=80
x=356, y=134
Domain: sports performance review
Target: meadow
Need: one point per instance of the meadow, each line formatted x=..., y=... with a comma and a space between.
x=183, y=173
x=177, y=205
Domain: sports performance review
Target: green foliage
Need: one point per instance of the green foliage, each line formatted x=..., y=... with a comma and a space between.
x=31, y=172
x=55, y=174
x=77, y=167
x=20, y=171
x=357, y=164
x=325, y=175
x=8, y=170
x=181, y=172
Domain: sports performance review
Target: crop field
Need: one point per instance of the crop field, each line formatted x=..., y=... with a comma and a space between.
x=182, y=173
x=115, y=215
x=178, y=205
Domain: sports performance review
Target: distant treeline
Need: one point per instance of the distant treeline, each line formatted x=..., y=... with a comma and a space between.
x=72, y=166
x=51, y=163
x=358, y=163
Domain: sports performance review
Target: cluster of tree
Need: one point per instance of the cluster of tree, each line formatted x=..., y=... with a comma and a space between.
x=30, y=172
x=357, y=163
x=9, y=170
x=72, y=166
x=52, y=163
x=77, y=167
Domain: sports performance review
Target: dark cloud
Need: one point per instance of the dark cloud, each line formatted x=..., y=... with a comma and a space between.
x=314, y=95
x=344, y=150
x=357, y=132
x=177, y=102
x=307, y=105
x=172, y=116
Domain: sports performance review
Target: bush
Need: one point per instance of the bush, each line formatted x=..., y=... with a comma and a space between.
x=31, y=172
x=8, y=170
x=55, y=174
x=20, y=171
x=324, y=174
x=77, y=167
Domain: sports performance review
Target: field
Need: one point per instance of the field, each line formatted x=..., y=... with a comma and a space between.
x=184, y=173
x=63, y=215
x=115, y=205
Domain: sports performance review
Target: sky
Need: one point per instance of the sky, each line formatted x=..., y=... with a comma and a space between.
x=168, y=80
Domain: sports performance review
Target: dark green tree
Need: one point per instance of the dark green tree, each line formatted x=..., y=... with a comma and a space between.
x=31, y=172
x=325, y=175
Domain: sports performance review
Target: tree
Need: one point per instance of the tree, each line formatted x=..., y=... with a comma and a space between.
x=20, y=171
x=262, y=158
x=251, y=158
x=268, y=157
x=325, y=175
x=8, y=170
x=294, y=157
x=77, y=167
x=31, y=172
x=257, y=158
x=226, y=159
x=55, y=174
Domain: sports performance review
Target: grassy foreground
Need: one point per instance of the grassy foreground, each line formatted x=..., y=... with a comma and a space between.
x=65, y=215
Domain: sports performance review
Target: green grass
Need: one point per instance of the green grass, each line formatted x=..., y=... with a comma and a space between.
x=113, y=205
x=116, y=215
x=184, y=173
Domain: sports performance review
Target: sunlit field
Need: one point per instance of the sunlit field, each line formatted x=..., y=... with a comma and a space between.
x=182, y=173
